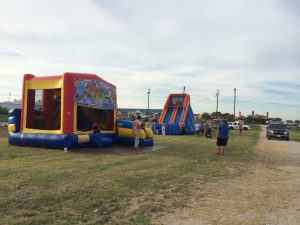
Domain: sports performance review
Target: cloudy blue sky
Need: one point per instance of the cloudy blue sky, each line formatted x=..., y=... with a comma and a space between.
x=204, y=45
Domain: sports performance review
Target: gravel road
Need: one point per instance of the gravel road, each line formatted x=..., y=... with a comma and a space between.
x=268, y=195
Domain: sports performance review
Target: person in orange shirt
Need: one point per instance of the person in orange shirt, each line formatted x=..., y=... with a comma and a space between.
x=240, y=128
x=136, y=130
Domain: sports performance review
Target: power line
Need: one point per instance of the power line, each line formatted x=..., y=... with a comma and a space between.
x=156, y=99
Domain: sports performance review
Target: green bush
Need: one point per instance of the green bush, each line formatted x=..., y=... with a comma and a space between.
x=3, y=110
x=3, y=117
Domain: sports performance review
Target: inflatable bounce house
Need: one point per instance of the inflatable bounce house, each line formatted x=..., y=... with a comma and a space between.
x=70, y=111
x=177, y=116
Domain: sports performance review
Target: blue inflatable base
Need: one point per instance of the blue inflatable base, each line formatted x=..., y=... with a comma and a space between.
x=130, y=141
x=70, y=141
x=101, y=141
x=46, y=140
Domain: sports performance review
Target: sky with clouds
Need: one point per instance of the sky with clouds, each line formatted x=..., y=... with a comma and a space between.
x=163, y=45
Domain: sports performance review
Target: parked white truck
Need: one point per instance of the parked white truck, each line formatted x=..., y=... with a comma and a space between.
x=235, y=125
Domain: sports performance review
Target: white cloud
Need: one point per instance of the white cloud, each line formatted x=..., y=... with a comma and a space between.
x=162, y=45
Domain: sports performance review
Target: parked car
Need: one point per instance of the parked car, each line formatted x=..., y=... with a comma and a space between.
x=235, y=125
x=277, y=130
x=290, y=123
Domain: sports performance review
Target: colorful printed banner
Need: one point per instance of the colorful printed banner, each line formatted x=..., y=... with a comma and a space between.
x=94, y=93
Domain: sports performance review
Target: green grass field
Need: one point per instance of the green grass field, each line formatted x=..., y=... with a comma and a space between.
x=3, y=118
x=46, y=186
x=294, y=133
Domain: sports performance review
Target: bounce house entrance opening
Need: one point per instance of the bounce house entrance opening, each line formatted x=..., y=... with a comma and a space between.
x=43, y=109
x=87, y=116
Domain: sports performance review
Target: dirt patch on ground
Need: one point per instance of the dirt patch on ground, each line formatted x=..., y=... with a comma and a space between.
x=269, y=194
x=120, y=150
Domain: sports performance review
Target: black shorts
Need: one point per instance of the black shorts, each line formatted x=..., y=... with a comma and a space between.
x=222, y=141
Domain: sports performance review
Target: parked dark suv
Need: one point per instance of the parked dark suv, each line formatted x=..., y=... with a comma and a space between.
x=277, y=130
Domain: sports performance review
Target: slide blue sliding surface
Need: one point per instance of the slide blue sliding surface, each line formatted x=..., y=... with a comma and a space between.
x=168, y=115
x=190, y=121
x=178, y=115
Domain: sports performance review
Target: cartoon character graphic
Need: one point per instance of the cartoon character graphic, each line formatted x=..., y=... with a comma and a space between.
x=94, y=93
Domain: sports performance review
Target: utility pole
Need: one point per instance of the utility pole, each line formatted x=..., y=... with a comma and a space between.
x=217, y=95
x=148, y=99
x=234, y=101
x=183, y=89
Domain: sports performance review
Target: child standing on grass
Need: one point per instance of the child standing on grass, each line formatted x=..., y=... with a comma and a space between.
x=136, y=130
x=222, y=137
x=197, y=129
x=240, y=127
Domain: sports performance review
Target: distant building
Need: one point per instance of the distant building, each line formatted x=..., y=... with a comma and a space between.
x=10, y=105
x=126, y=112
